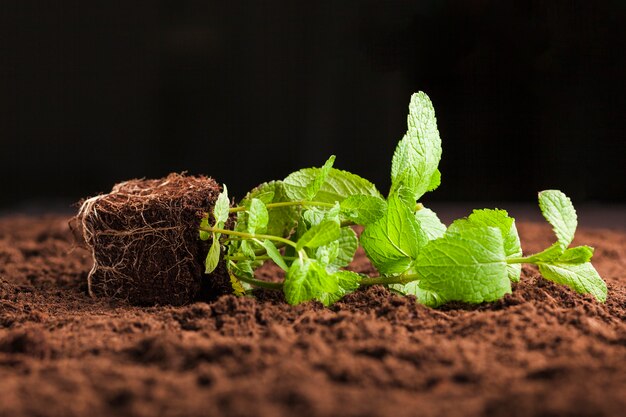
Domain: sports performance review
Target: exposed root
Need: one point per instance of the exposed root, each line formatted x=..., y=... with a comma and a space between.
x=143, y=237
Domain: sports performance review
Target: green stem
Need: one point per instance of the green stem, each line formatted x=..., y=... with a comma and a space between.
x=524, y=260
x=248, y=235
x=260, y=258
x=262, y=284
x=399, y=279
x=286, y=204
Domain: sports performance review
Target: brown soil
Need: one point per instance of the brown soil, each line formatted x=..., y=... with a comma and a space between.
x=544, y=350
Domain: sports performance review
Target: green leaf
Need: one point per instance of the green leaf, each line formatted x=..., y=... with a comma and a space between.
x=247, y=249
x=319, y=235
x=583, y=278
x=338, y=186
x=347, y=282
x=282, y=220
x=501, y=220
x=306, y=280
x=394, y=241
x=273, y=253
x=220, y=210
x=425, y=297
x=314, y=187
x=558, y=210
x=363, y=209
x=577, y=255
x=314, y=216
x=417, y=155
x=435, y=181
x=258, y=216
x=468, y=264
x=213, y=257
x=347, y=246
x=204, y=235
x=430, y=223
x=327, y=253
x=242, y=269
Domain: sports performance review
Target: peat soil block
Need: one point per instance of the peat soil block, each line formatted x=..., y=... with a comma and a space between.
x=144, y=240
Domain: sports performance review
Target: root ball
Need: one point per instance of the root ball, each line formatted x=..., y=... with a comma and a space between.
x=144, y=240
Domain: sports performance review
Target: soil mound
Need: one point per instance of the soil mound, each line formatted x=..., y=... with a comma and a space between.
x=542, y=351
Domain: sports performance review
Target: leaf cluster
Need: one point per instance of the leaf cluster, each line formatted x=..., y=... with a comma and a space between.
x=303, y=224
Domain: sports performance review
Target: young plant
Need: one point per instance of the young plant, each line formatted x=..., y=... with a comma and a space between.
x=303, y=225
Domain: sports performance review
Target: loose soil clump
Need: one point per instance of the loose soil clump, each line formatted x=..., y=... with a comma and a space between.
x=542, y=351
x=143, y=237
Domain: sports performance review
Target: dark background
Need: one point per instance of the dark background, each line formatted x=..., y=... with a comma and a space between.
x=529, y=95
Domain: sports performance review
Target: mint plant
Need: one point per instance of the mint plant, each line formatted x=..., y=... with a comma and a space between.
x=303, y=225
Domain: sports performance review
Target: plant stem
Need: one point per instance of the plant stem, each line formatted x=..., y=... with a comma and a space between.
x=260, y=258
x=262, y=284
x=399, y=279
x=287, y=204
x=248, y=235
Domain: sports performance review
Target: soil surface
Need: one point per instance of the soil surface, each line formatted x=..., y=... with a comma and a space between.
x=544, y=350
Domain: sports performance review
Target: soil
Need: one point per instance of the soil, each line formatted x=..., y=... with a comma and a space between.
x=543, y=350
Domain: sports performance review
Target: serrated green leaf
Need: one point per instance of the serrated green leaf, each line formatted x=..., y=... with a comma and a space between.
x=220, y=210
x=558, y=210
x=430, y=223
x=338, y=186
x=314, y=216
x=258, y=216
x=418, y=153
x=583, y=278
x=321, y=234
x=577, y=255
x=466, y=265
x=347, y=282
x=435, y=181
x=273, y=253
x=327, y=253
x=347, y=246
x=306, y=280
x=501, y=220
x=393, y=242
x=282, y=220
x=213, y=257
x=425, y=297
x=314, y=186
x=363, y=209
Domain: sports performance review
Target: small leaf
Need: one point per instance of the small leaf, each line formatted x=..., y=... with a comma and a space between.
x=305, y=280
x=577, y=255
x=247, y=249
x=435, y=181
x=273, y=253
x=319, y=235
x=204, y=235
x=213, y=257
x=558, y=210
x=363, y=209
x=257, y=216
x=430, y=223
x=347, y=282
x=282, y=220
x=346, y=248
x=501, y=220
x=314, y=186
x=417, y=155
x=583, y=278
x=220, y=210
x=425, y=297
x=236, y=285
